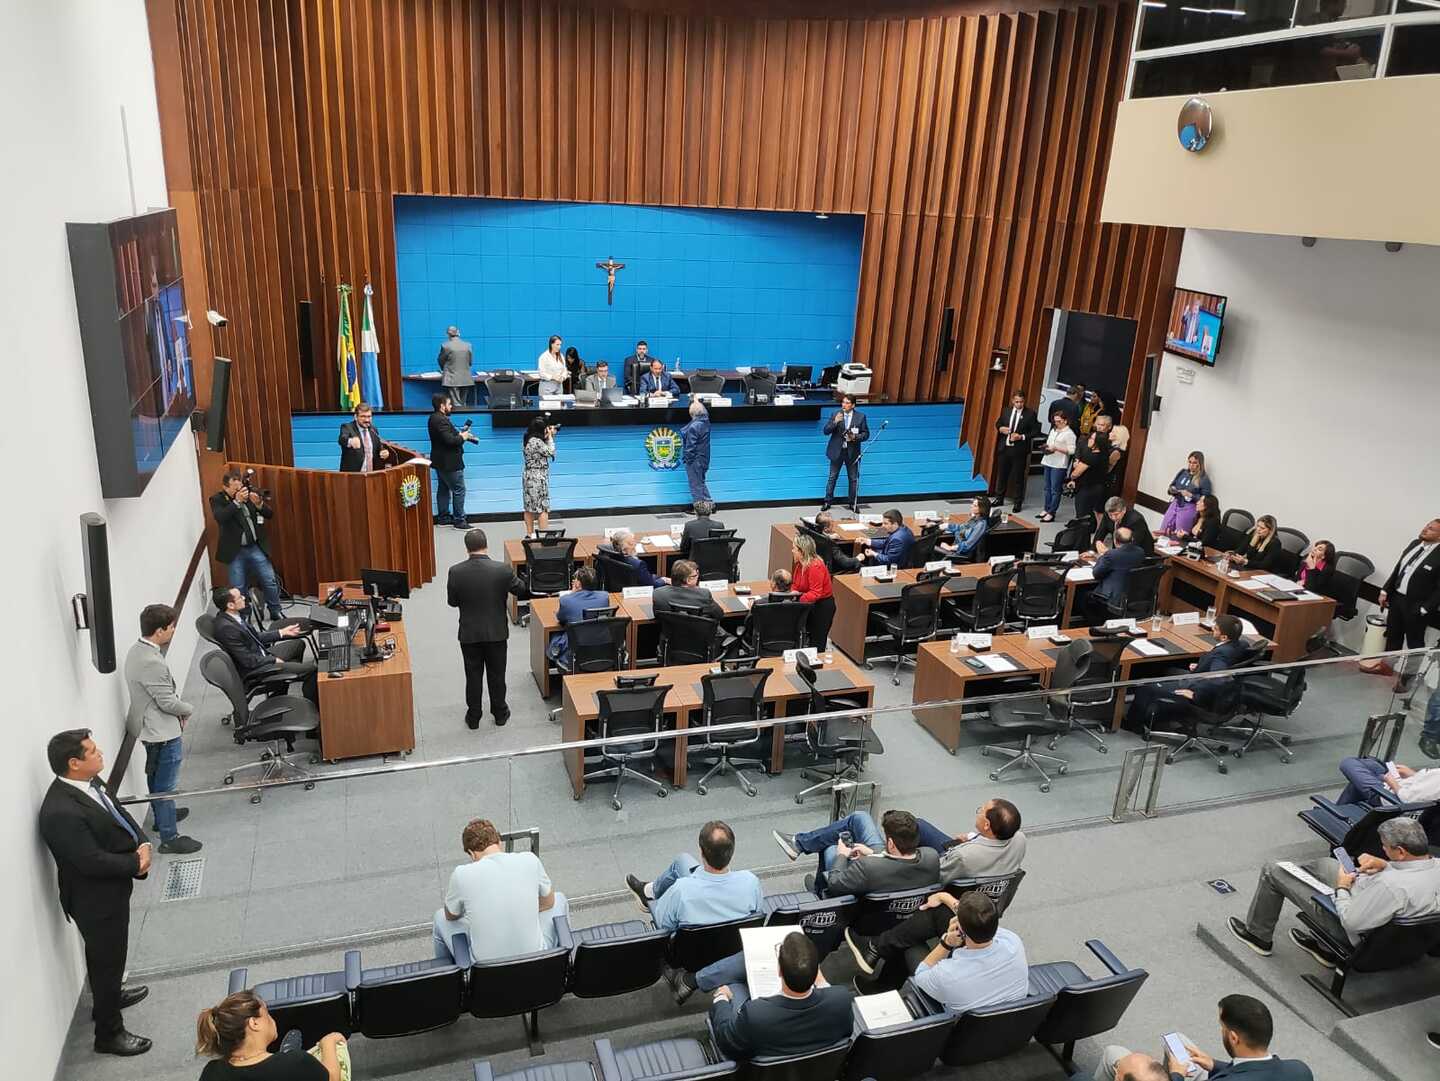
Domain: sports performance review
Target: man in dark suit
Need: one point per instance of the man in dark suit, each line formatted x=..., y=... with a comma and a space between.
x=252, y=650
x=1069, y=405
x=1150, y=701
x=583, y=594
x=635, y=365
x=848, y=430
x=1118, y=513
x=361, y=448
x=807, y=1015
x=683, y=590
x=841, y=561
x=241, y=511
x=1018, y=427
x=447, y=458
x=656, y=380
x=893, y=545
x=479, y=586
x=1112, y=573
x=698, y=528
x=99, y=851
x=1411, y=595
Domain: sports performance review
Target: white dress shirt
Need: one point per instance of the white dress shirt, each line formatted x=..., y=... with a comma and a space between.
x=88, y=789
x=1410, y=562
x=1060, y=445
x=552, y=367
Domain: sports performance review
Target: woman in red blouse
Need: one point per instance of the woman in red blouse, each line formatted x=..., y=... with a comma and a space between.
x=811, y=579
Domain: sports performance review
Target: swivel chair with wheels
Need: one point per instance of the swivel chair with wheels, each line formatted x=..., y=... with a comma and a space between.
x=1008, y=721
x=838, y=745
x=549, y=567
x=629, y=711
x=615, y=574
x=1213, y=712
x=597, y=644
x=1039, y=594
x=274, y=721
x=1293, y=543
x=986, y=606
x=1090, y=709
x=706, y=381
x=1267, y=694
x=687, y=638
x=729, y=697
x=772, y=628
x=915, y=622
x=505, y=389
x=1351, y=571
x=1141, y=598
x=717, y=557
x=1240, y=521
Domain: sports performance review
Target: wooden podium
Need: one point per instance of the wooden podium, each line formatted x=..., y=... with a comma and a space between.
x=370, y=709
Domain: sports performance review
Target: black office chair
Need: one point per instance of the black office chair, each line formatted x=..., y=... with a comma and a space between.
x=1268, y=694
x=915, y=622
x=660, y=1060
x=1031, y=718
x=1141, y=598
x=1404, y=941
x=1090, y=711
x=549, y=567
x=992, y=1032
x=904, y=1051
x=692, y=948
x=414, y=997
x=729, y=697
x=687, y=638
x=1085, y=1006
x=612, y=958
x=615, y=574
x=316, y=1004
x=923, y=550
x=1039, y=594
x=772, y=628
x=820, y=919
x=759, y=386
x=1356, y=827
x=598, y=644
x=629, y=711
x=1241, y=521
x=1076, y=535
x=1352, y=570
x=838, y=745
x=1229, y=540
x=519, y=986
x=999, y=888
x=707, y=381
x=821, y=1065
x=879, y=912
x=1214, y=712
x=717, y=557
x=985, y=608
x=505, y=389
x=277, y=721
x=1294, y=544
x=266, y=681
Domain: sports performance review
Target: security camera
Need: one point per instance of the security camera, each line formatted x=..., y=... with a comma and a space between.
x=216, y=319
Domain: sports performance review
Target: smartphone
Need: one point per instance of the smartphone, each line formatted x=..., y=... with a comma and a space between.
x=1346, y=863
x=467, y=424
x=1176, y=1047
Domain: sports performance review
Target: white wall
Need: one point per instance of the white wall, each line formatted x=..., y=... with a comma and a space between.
x=1322, y=405
x=66, y=69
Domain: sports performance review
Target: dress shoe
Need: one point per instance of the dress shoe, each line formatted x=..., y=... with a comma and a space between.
x=1314, y=948
x=1433, y=1039
x=638, y=889
x=501, y=718
x=462, y=525
x=182, y=813
x=866, y=954
x=131, y=995
x=1429, y=748
x=180, y=845
x=1244, y=934
x=122, y=1043
x=472, y=723
x=682, y=986
x=1376, y=668
x=824, y=506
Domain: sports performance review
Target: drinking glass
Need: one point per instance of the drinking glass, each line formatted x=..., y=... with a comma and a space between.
x=1210, y=616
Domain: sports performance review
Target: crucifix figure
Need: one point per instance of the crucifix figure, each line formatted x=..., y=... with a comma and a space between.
x=610, y=266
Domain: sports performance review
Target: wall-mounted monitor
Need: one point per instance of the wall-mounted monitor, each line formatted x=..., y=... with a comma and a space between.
x=135, y=332
x=1196, y=320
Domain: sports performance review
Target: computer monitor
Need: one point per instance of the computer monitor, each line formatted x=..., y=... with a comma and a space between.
x=798, y=373
x=829, y=376
x=378, y=583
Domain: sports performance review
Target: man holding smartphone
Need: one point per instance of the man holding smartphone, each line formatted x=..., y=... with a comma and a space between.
x=1246, y=1028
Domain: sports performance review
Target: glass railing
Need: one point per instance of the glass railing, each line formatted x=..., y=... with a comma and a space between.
x=357, y=853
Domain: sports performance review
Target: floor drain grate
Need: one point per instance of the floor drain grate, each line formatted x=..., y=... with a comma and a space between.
x=182, y=880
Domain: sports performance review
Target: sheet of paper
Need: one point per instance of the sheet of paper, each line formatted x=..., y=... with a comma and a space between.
x=1276, y=581
x=747, y=601
x=884, y=1010
x=853, y=527
x=639, y=549
x=1254, y=585
x=761, y=947
x=659, y=540
x=1080, y=574
x=1184, y=619
x=1246, y=627
x=998, y=664
x=1069, y=557
x=1149, y=648
x=1306, y=595
x=1303, y=875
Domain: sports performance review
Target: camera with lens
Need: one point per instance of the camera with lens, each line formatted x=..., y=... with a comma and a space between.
x=248, y=479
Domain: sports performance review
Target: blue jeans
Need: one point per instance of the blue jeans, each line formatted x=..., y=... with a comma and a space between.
x=1432, y=718
x=251, y=560
x=1054, y=486
x=1363, y=778
x=450, y=489
x=681, y=866
x=862, y=829
x=932, y=836
x=726, y=972
x=162, y=774
x=695, y=474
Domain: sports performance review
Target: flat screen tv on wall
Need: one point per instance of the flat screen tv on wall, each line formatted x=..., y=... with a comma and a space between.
x=1196, y=320
x=134, y=330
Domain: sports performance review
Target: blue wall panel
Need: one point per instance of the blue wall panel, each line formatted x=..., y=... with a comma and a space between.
x=717, y=288
x=750, y=462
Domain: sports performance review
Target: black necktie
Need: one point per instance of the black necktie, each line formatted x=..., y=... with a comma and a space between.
x=109, y=806
x=1405, y=567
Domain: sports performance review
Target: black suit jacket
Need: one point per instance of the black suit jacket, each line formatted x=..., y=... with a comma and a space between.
x=478, y=587
x=665, y=598
x=1027, y=429
x=697, y=529
x=447, y=446
x=1275, y=1069
x=230, y=518
x=1424, y=588
x=351, y=459
x=94, y=856
x=839, y=449
x=777, y=1025
x=1133, y=521
x=244, y=644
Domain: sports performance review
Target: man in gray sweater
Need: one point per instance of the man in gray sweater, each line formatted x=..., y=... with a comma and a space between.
x=870, y=859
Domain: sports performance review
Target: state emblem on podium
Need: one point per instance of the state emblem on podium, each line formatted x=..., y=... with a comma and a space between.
x=663, y=447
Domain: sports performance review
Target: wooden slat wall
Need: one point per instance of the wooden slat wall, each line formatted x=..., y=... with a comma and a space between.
x=974, y=141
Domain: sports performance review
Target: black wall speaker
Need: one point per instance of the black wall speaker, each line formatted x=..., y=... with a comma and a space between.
x=99, y=616
x=219, y=404
x=1148, y=402
x=947, y=339
x=306, y=341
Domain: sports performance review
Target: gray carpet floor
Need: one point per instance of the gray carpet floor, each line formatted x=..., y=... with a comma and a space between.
x=285, y=882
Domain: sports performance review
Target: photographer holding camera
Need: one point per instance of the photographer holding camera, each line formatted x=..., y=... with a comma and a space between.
x=241, y=509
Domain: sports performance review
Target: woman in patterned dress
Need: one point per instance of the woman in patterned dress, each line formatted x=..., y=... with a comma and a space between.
x=539, y=450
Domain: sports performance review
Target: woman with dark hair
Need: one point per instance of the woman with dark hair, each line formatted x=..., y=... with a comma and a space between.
x=538, y=447
x=551, y=365
x=236, y=1034
x=576, y=367
x=1206, y=526
x=1262, y=551
x=1190, y=485
x=1318, y=568
x=1090, y=473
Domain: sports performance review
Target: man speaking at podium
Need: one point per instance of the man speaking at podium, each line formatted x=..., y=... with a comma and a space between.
x=361, y=448
x=847, y=430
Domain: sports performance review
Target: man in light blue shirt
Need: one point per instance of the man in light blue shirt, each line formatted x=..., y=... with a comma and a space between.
x=976, y=964
x=691, y=893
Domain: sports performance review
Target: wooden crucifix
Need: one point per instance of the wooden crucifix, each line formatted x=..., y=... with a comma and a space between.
x=610, y=266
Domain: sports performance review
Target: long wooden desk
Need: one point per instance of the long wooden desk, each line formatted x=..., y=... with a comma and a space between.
x=784, y=689
x=1015, y=537
x=657, y=556
x=942, y=676
x=545, y=625
x=370, y=709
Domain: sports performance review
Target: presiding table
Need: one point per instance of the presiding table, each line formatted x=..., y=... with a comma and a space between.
x=784, y=690
x=370, y=709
